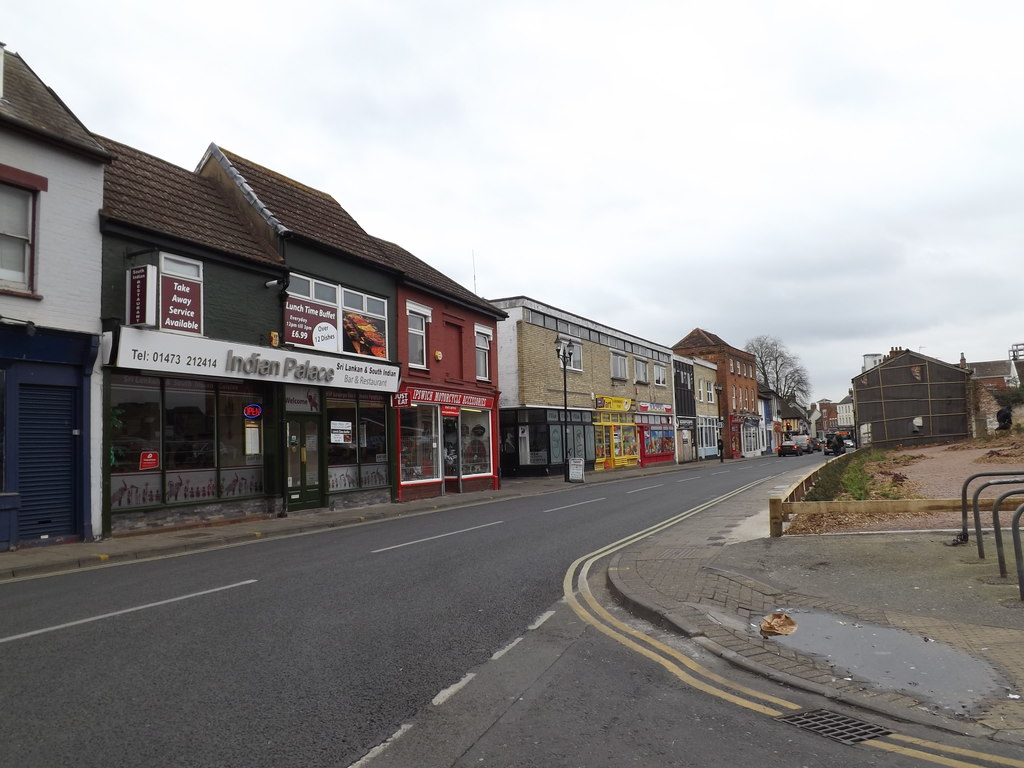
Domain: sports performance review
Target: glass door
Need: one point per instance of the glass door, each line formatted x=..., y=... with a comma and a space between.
x=302, y=436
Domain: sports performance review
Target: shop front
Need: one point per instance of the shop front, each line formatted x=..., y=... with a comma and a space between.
x=745, y=435
x=447, y=442
x=201, y=429
x=47, y=399
x=617, y=442
x=655, y=426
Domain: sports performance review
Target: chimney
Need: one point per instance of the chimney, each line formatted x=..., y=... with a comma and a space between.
x=963, y=360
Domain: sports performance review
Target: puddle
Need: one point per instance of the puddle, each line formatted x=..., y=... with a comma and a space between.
x=928, y=670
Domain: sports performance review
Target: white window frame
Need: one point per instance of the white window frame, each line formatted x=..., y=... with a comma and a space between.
x=619, y=365
x=483, y=340
x=660, y=379
x=575, y=356
x=711, y=390
x=424, y=313
x=369, y=305
x=14, y=238
x=640, y=374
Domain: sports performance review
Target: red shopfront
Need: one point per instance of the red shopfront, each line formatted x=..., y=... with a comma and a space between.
x=657, y=432
x=446, y=442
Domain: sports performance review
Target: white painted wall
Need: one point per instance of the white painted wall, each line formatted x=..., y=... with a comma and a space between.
x=67, y=261
x=508, y=357
x=68, y=244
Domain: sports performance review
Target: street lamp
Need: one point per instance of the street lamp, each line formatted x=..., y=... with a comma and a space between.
x=564, y=350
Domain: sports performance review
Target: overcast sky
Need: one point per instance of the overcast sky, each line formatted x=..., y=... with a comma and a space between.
x=846, y=177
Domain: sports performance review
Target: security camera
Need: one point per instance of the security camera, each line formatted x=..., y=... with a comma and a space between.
x=272, y=283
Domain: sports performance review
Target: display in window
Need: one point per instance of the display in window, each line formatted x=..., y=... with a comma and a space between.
x=365, y=335
x=476, y=456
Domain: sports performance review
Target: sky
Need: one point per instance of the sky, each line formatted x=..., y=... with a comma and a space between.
x=845, y=177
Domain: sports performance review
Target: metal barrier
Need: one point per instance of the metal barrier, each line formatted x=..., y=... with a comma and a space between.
x=977, y=512
x=963, y=537
x=998, y=532
x=1017, y=550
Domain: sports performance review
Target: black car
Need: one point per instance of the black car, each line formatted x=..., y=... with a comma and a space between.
x=789, y=448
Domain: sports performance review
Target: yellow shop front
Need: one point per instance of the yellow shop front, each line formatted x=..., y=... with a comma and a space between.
x=615, y=433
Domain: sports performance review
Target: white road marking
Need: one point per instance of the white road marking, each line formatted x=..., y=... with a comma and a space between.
x=570, y=506
x=687, y=479
x=439, y=536
x=451, y=690
x=648, y=488
x=110, y=615
x=506, y=649
x=369, y=756
x=541, y=619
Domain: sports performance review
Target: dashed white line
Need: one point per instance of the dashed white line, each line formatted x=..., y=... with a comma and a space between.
x=570, y=506
x=451, y=690
x=498, y=654
x=647, y=488
x=541, y=619
x=112, y=614
x=439, y=536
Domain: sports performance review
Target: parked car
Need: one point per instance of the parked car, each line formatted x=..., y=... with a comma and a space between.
x=789, y=448
x=816, y=443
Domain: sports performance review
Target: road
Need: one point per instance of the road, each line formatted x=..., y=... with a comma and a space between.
x=314, y=650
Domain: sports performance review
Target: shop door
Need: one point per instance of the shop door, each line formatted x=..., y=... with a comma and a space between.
x=452, y=453
x=48, y=480
x=302, y=447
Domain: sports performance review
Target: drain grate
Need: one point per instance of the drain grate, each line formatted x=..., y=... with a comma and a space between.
x=845, y=730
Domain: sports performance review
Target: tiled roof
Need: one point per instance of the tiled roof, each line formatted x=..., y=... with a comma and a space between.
x=418, y=271
x=143, y=191
x=307, y=212
x=29, y=105
x=697, y=338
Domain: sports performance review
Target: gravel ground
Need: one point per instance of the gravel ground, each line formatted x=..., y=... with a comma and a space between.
x=940, y=474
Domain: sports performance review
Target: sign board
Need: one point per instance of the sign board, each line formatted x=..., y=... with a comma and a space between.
x=576, y=470
x=149, y=460
x=141, y=295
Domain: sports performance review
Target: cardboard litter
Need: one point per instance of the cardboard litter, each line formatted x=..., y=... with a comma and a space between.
x=777, y=624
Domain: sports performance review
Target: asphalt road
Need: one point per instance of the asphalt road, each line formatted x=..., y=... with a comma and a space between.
x=313, y=650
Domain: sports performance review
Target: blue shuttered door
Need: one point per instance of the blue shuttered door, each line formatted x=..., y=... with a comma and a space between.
x=47, y=475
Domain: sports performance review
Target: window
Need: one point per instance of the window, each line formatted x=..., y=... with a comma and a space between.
x=418, y=316
x=206, y=439
x=640, y=369
x=731, y=370
x=483, y=351
x=575, y=362
x=659, y=375
x=364, y=324
x=700, y=391
x=16, y=207
x=618, y=366
x=357, y=453
x=711, y=391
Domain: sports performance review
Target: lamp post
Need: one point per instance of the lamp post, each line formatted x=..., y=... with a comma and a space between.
x=721, y=439
x=564, y=350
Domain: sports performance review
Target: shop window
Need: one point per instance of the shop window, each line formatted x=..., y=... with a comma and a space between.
x=484, y=337
x=419, y=444
x=183, y=441
x=364, y=324
x=357, y=447
x=17, y=207
x=618, y=366
x=418, y=317
x=476, y=443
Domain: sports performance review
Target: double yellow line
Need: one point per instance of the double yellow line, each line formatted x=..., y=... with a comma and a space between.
x=576, y=587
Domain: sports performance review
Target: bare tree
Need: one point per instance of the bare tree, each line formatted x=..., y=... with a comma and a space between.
x=779, y=369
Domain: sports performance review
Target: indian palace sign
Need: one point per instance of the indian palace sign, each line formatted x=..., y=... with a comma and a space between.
x=184, y=355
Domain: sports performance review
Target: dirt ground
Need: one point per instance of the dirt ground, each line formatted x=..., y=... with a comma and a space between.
x=933, y=472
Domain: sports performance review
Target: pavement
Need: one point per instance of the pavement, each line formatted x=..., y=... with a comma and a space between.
x=901, y=623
